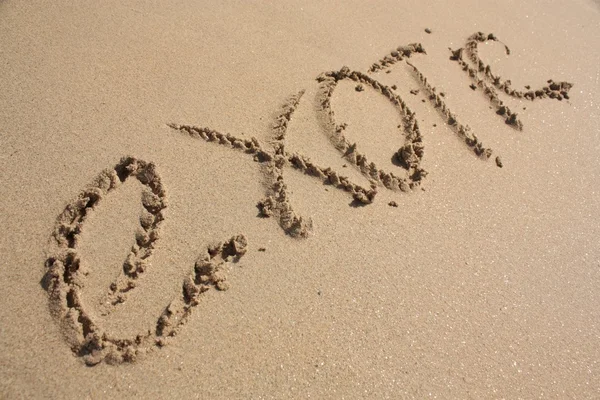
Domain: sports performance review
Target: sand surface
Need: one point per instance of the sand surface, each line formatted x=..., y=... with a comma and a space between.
x=348, y=239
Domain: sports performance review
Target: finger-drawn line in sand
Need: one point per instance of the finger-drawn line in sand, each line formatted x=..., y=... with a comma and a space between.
x=409, y=155
x=66, y=270
x=277, y=201
x=464, y=132
x=483, y=77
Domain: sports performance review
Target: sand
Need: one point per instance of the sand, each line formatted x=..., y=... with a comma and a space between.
x=294, y=200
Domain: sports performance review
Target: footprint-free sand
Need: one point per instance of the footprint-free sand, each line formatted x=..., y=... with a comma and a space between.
x=294, y=200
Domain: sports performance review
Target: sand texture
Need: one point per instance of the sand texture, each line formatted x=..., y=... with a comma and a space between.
x=300, y=199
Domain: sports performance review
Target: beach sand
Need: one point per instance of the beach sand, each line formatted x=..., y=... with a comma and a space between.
x=200, y=201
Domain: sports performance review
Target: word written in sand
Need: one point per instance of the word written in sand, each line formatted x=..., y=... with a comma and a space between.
x=66, y=270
